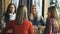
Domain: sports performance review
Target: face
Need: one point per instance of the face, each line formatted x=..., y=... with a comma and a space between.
x=34, y=9
x=12, y=8
x=49, y=14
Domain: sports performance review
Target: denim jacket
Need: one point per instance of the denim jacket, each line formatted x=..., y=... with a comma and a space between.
x=41, y=21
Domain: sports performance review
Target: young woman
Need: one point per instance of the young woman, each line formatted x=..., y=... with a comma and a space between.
x=35, y=19
x=10, y=13
x=51, y=22
x=21, y=25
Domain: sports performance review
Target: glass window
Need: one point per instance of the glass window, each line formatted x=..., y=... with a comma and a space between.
x=16, y=2
x=58, y=6
x=38, y=4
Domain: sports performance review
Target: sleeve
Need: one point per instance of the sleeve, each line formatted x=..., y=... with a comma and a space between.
x=4, y=31
x=31, y=29
x=43, y=22
x=50, y=25
x=55, y=26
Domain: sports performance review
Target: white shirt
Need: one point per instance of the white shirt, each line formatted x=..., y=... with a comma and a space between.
x=12, y=16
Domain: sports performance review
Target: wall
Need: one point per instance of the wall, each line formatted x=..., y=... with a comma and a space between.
x=6, y=3
x=46, y=5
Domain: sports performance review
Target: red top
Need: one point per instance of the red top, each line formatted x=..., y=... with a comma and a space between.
x=25, y=28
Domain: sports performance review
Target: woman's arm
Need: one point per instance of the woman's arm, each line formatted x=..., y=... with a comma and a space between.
x=4, y=31
x=55, y=27
x=42, y=21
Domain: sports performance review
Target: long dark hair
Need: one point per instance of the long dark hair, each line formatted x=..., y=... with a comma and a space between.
x=8, y=11
x=21, y=14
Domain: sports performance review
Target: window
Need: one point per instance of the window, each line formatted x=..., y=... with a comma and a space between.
x=38, y=4
x=57, y=4
x=16, y=2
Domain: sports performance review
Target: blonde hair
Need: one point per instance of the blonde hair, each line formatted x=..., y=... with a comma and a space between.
x=53, y=11
x=54, y=14
x=32, y=8
x=21, y=14
x=57, y=15
x=25, y=13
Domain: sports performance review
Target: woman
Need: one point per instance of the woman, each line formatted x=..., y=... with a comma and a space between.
x=35, y=18
x=10, y=13
x=21, y=25
x=51, y=22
